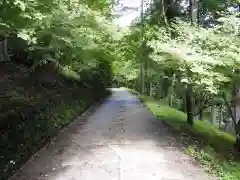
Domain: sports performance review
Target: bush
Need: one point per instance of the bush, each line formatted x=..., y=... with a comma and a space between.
x=36, y=108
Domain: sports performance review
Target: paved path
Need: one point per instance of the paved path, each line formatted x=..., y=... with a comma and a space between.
x=120, y=140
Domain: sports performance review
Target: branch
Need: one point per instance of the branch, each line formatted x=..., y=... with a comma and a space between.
x=203, y=107
x=169, y=6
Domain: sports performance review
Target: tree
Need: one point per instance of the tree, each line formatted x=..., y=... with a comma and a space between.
x=194, y=54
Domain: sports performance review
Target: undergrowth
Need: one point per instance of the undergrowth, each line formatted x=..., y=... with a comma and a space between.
x=32, y=113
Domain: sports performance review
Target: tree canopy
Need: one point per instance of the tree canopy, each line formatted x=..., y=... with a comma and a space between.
x=196, y=54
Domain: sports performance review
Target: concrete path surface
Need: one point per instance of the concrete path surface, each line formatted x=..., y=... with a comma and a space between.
x=119, y=140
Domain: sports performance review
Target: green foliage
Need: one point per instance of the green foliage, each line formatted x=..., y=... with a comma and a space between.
x=32, y=114
x=178, y=54
x=191, y=56
x=62, y=31
x=61, y=53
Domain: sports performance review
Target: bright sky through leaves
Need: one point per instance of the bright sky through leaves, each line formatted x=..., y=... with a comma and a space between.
x=128, y=11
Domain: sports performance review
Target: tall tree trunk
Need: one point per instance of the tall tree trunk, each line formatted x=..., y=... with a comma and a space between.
x=142, y=77
x=171, y=99
x=183, y=102
x=4, y=50
x=142, y=70
x=170, y=96
x=189, y=105
x=183, y=106
x=198, y=13
x=230, y=110
x=193, y=11
x=150, y=88
x=163, y=11
x=201, y=114
x=157, y=94
x=159, y=91
x=221, y=116
x=199, y=108
x=172, y=90
x=165, y=87
x=213, y=115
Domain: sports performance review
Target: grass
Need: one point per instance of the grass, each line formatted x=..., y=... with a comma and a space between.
x=210, y=146
x=65, y=71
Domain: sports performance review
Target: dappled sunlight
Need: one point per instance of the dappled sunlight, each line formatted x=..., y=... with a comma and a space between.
x=58, y=58
x=117, y=140
x=204, y=141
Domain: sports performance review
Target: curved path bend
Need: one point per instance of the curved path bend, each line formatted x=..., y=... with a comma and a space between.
x=118, y=140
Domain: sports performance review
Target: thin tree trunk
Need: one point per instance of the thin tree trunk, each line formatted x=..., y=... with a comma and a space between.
x=171, y=100
x=193, y=11
x=201, y=114
x=189, y=105
x=213, y=115
x=172, y=90
x=4, y=49
x=198, y=108
x=159, y=91
x=150, y=88
x=165, y=17
x=165, y=87
x=170, y=97
x=230, y=110
x=198, y=13
x=221, y=116
x=142, y=71
x=183, y=104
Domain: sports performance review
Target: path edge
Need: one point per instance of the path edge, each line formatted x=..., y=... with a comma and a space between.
x=88, y=111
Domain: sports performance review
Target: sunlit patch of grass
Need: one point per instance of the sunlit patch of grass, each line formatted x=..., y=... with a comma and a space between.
x=66, y=72
x=209, y=145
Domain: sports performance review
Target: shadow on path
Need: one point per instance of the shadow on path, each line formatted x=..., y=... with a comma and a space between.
x=118, y=140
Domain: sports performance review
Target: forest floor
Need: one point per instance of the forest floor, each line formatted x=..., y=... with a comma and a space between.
x=117, y=140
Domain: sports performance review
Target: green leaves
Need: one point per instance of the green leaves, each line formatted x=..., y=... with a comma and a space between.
x=66, y=31
x=27, y=35
x=20, y=4
x=199, y=51
x=201, y=57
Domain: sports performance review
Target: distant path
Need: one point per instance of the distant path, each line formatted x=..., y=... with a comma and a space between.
x=120, y=140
